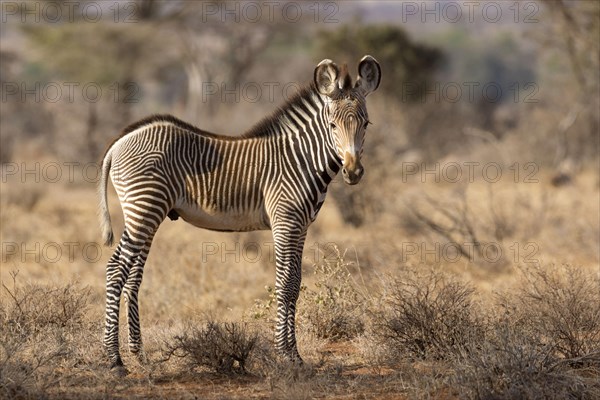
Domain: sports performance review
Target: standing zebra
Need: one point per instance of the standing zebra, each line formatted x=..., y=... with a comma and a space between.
x=273, y=177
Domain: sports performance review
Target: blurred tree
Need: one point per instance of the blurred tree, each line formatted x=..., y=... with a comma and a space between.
x=574, y=33
x=14, y=109
x=221, y=43
x=500, y=63
x=174, y=48
x=402, y=60
x=108, y=55
x=22, y=118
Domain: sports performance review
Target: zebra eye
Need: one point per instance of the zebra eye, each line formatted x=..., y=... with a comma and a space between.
x=332, y=126
x=366, y=124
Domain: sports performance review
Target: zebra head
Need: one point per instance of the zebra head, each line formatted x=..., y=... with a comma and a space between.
x=346, y=110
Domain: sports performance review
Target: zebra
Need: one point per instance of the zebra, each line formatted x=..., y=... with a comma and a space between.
x=275, y=176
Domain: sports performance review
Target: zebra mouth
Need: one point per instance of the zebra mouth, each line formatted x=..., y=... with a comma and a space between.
x=351, y=182
x=352, y=177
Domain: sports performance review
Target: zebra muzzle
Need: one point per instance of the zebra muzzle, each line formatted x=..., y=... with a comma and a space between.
x=352, y=170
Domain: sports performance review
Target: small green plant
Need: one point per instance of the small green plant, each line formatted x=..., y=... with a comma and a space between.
x=333, y=309
x=265, y=309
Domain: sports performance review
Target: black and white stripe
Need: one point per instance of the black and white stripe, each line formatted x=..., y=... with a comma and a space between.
x=273, y=177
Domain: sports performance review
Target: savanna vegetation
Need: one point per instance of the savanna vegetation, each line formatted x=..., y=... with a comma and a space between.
x=464, y=265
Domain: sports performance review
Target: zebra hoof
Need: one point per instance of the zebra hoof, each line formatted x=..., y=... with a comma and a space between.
x=118, y=369
x=293, y=359
x=142, y=358
x=298, y=360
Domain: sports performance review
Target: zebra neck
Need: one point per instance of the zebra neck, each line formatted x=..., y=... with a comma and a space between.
x=305, y=124
x=300, y=131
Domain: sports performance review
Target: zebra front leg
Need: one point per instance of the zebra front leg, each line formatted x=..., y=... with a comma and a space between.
x=131, y=291
x=288, y=249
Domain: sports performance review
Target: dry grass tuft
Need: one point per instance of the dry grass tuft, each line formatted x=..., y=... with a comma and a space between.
x=511, y=364
x=222, y=347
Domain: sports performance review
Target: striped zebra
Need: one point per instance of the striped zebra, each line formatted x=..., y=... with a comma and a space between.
x=274, y=177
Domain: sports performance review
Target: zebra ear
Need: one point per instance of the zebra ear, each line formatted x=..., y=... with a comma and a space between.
x=369, y=75
x=326, y=76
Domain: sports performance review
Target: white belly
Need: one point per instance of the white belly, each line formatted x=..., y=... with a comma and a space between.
x=221, y=221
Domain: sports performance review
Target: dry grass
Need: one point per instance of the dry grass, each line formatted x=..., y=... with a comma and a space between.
x=543, y=342
x=47, y=338
x=426, y=336
x=374, y=320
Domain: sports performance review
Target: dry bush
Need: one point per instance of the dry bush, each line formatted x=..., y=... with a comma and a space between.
x=428, y=316
x=562, y=309
x=486, y=232
x=540, y=341
x=510, y=365
x=453, y=221
x=334, y=309
x=43, y=328
x=35, y=308
x=544, y=345
x=223, y=347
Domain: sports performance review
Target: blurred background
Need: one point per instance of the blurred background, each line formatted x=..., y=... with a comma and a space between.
x=464, y=265
x=483, y=153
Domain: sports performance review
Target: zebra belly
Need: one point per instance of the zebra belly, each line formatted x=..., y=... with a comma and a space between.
x=222, y=221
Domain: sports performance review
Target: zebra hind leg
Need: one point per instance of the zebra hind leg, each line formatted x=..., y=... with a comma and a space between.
x=117, y=271
x=131, y=291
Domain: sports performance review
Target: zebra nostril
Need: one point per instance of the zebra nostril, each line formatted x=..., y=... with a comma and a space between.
x=344, y=171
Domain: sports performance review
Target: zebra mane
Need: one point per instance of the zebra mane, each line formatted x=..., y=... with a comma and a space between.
x=263, y=128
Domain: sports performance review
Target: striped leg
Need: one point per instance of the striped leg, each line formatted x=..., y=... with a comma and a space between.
x=130, y=291
x=124, y=273
x=288, y=251
x=117, y=271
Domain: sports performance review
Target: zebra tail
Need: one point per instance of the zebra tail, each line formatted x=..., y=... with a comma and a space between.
x=107, y=232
